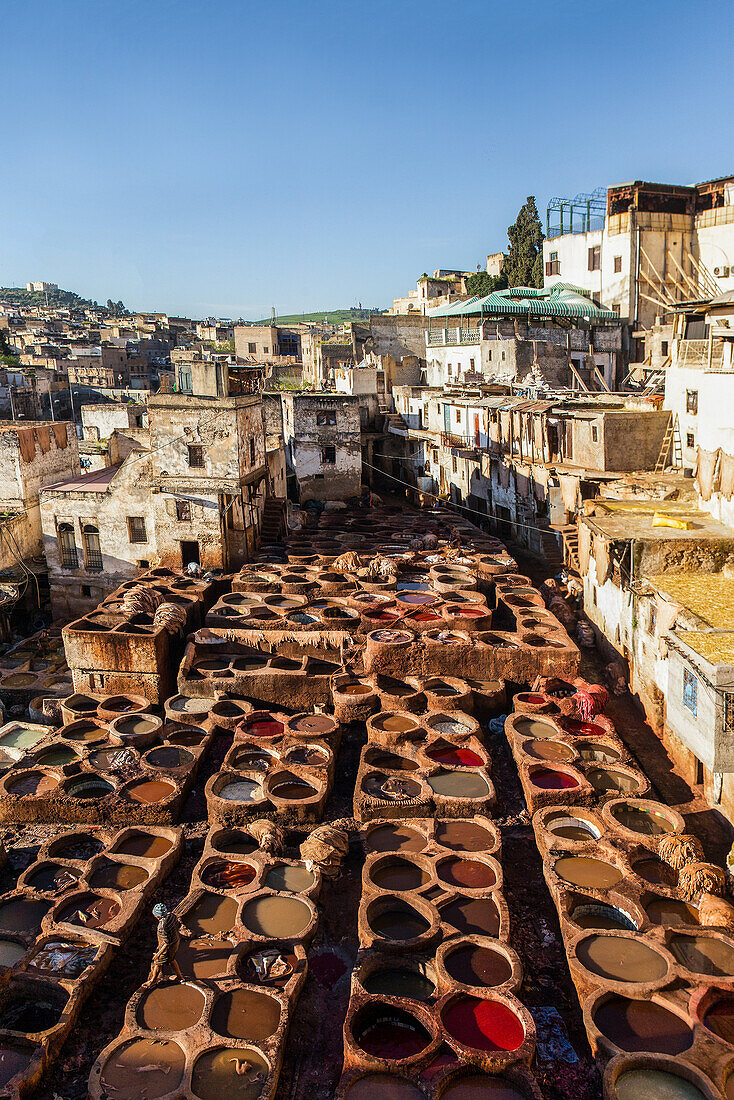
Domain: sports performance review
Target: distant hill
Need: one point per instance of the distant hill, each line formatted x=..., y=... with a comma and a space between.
x=330, y=316
x=60, y=299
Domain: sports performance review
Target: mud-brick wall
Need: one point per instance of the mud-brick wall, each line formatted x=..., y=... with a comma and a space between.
x=632, y=440
x=31, y=457
x=306, y=439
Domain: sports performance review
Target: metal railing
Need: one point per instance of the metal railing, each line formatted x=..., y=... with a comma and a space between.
x=460, y=442
x=453, y=337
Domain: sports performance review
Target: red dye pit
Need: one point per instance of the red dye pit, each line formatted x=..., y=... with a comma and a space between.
x=265, y=728
x=589, y=729
x=448, y=754
x=483, y=1025
x=549, y=780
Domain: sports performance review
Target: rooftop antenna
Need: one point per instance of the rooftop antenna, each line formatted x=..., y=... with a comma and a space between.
x=272, y=315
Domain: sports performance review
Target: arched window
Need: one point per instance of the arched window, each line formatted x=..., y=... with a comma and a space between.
x=92, y=550
x=67, y=546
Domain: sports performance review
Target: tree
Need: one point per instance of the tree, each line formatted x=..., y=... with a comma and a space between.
x=483, y=283
x=524, y=259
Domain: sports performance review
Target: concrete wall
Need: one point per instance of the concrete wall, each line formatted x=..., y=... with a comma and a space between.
x=712, y=426
x=99, y=421
x=399, y=335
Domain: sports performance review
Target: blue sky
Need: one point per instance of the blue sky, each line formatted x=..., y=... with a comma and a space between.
x=225, y=157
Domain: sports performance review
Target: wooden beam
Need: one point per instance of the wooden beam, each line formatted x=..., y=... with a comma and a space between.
x=657, y=288
x=600, y=376
x=666, y=306
x=688, y=280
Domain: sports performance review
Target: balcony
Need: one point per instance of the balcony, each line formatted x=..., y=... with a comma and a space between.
x=695, y=354
x=453, y=337
x=460, y=442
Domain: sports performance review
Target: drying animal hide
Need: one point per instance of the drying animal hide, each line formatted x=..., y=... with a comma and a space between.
x=172, y=617
x=346, y=563
x=590, y=700
x=715, y=912
x=325, y=848
x=706, y=472
x=584, y=551
x=726, y=476
x=701, y=878
x=381, y=567
x=602, y=557
x=140, y=600
x=270, y=837
x=679, y=849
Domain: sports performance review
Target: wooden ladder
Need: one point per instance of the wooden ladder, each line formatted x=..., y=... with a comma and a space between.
x=671, y=438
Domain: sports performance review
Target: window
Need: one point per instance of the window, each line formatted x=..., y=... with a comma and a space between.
x=252, y=452
x=196, y=456
x=690, y=440
x=594, y=434
x=92, y=550
x=663, y=347
x=690, y=691
x=595, y=258
x=692, y=402
x=435, y=456
x=653, y=617
x=729, y=711
x=86, y=592
x=458, y=416
x=67, y=546
x=617, y=265
x=251, y=349
x=471, y=364
x=553, y=265
x=503, y=357
x=454, y=464
x=136, y=529
x=183, y=511
x=185, y=381
x=616, y=307
x=190, y=553
x=327, y=416
x=489, y=356
x=328, y=456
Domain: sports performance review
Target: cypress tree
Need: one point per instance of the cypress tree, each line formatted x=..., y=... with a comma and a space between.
x=524, y=259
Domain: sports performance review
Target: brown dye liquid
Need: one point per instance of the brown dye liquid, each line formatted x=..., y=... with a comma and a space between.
x=10, y=952
x=23, y=915
x=164, y=1061
x=13, y=1060
x=295, y=879
x=478, y=966
x=399, y=982
x=647, y=822
x=314, y=723
x=383, y=1086
x=293, y=790
x=394, y=723
x=557, y=751
x=234, y=1072
x=204, y=958
x=135, y=727
x=245, y=1014
x=398, y=874
x=671, y=911
x=356, y=689
x=277, y=916
x=398, y=922
x=144, y=846
x=479, y=1087
x=572, y=829
x=392, y=762
x=655, y=871
x=169, y=756
x=212, y=914
x=151, y=791
x=171, y=1007
x=704, y=955
x=621, y=959
x=642, y=1025
x=90, y=910
x=719, y=1018
x=118, y=876
x=591, y=874
x=458, y=785
x=535, y=727
x=469, y=873
x=52, y=876
x=472, y=916
x=395, y=838
x=463, y=836
x=34, y=783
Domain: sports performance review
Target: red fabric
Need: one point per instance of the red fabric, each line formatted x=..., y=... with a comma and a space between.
x=590, y=701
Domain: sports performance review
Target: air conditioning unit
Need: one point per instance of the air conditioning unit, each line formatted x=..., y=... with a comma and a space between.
x=722, y=272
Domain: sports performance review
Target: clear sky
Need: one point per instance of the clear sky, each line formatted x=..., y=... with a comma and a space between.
x=222, y=157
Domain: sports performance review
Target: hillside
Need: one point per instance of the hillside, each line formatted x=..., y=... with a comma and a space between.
x=331, y=317
x=60, y=299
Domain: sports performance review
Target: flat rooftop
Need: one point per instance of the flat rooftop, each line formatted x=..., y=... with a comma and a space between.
x=632, y=519
x=96, y=482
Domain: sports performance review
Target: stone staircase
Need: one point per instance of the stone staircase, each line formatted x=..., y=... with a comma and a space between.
x=273, y=522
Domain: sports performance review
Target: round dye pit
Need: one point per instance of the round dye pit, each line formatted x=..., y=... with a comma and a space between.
x=212, y=914
x=604, y=780
x=23, y=915
x=395, y=838
x=13, y=1060
x=313, y=725
x=241, y=790
x=655, y=1084
x=535, y=727
x=76, y=846
x=171, y=1007
x=143, y=845
x=472, y=874
x=483, y=1024
x=463, y=836
x=88, y=787
x=552, y=779
x=546, y=749
x=245, y=1014
x=53, y=877
x=650, y=822
x=62, y=958
x=254, y=758
x=383, y=1086
x=308, y=756
x=292, y=789
x=235, y=841
x=396, y=723
x=150, y=791
x=387, y=1032
x=56, y=756
x=398, y=874
x=478, y=965
x=472, y=916
x=597, y=752
x=621, y=958
x=588, y=913
x=585, y=729
x=399, y=981
x=205, y=958
x=262, y=725
x=248, y=966
x=89, y=910
x=169, y=756
x=292, y=877
x=642, y=1025
x=163, y=1058
x=278, y=916
x=654, y=871
x=568, y=827
x=10, y=952
x=390, y=788
x=477, y=1086
x=390, y=761
x=396, y=920
x=719, y=1018
x=110, y=875
x=708, y=955
x=458, y=784
x=226, y=874
x=454, y=756
x=32, y=1009
x=589, y=873
x=36, y=784
x=671, y=912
